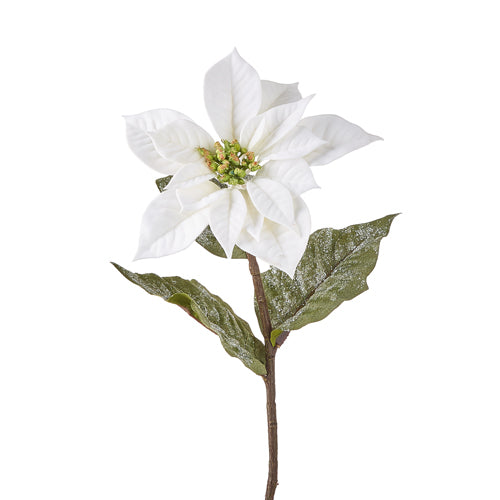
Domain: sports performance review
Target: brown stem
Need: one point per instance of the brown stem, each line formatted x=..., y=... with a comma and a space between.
x=272, y=425
x=269, y=379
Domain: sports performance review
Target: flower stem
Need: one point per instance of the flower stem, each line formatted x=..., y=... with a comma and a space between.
x=269, y=379
x=272, y=426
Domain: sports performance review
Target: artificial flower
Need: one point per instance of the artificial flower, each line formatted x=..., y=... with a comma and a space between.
x=247, y=185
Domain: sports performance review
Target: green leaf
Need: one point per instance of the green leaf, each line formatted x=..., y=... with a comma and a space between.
x=274, y=335
x=333, y=269
x=209, y=310
x=163, y=183
x=206, y=239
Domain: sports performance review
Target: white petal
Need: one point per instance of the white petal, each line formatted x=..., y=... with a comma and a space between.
x=254, y=219
x=138, y=127
x=264, y=130
x=226, y=217
x=302, y=219
x=275, y=94
x=296, y=144
x=279, y=246
x=272, y=200
x=295, y=175
x=178, y=141
x=232, y=95
x=341, y=138
x=198, y=196
x=165, y=229
x=191, y=174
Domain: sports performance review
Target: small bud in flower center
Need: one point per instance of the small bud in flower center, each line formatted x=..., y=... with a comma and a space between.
x=231, y=163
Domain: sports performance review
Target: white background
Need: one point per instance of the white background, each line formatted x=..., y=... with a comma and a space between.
x=108, y=393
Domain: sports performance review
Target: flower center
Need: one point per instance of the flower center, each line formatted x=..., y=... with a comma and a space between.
x=231, y=163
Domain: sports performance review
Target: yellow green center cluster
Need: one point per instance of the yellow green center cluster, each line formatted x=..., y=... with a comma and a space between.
x=230, y=162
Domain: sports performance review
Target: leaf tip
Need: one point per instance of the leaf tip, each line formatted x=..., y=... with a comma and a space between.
x=116, y=266
x=124, y=272
x=391, y=217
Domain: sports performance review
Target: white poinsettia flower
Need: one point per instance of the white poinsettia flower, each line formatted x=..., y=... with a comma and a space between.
x=247, y=185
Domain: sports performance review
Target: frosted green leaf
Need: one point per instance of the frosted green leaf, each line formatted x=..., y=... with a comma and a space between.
x=162, y=183
x=333, y=269
x=206, y=239
x=208, y=309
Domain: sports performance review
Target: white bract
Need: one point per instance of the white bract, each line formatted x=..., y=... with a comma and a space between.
x=247, y=186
